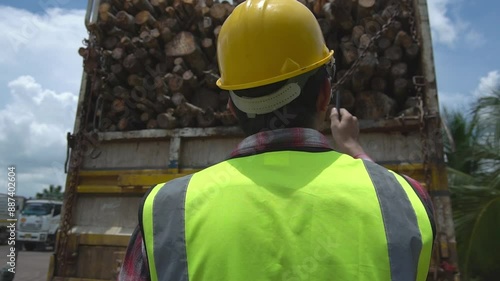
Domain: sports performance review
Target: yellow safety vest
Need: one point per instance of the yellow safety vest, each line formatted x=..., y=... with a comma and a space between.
x=287, y=215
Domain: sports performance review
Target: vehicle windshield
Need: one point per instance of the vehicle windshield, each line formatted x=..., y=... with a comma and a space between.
x=37, y=209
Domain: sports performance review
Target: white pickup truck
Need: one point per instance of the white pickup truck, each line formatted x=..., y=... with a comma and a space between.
x=38, y=223
x=9, y=209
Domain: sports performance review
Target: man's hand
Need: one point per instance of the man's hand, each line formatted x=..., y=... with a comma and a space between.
x=345, y=132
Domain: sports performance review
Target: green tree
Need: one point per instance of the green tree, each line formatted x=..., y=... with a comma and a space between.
x=52, y=193
x=473, y=155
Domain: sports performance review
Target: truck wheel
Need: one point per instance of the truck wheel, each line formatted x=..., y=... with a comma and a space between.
x=29, y=246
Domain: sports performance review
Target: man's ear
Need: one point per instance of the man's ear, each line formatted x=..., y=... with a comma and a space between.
x=324, y=96
x=230, y=106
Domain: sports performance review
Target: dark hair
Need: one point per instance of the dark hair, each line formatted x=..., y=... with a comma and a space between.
x=301, y=112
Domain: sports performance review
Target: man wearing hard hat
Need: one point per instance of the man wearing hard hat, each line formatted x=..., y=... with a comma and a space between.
x=285, y=205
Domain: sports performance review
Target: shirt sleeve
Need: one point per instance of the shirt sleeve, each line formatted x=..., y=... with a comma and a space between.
x=426, y=201
x=135, y=265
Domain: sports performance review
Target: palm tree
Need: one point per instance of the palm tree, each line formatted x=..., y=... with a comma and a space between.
x=53, y=193
x=474, y=179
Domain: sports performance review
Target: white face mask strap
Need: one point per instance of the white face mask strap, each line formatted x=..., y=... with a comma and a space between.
x=274, y=101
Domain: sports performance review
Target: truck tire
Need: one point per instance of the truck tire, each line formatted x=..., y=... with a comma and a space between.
x=29, y=246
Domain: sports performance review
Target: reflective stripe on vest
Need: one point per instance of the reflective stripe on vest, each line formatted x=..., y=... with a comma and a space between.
x=234, y=222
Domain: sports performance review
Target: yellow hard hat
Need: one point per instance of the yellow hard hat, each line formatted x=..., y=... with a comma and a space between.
x=266, y=41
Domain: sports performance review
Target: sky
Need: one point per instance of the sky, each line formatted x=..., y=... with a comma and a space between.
x=40, y=74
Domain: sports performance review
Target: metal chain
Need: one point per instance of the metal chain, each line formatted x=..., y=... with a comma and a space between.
x=354, y=67
x=73, y=173
x=70, y=192
x=411, y=20
x=421, y=99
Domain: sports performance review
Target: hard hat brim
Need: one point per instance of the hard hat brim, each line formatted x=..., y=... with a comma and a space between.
x=255, y=84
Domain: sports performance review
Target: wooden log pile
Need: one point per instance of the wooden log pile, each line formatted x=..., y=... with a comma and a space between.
x=154, y=61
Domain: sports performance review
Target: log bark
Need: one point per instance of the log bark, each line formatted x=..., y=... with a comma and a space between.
x=325, y=26
x=135, y=80
x=364, y=43
x=394, y=53
x=175, y=82
x=125, y=21
x=187, y=113
x=132, y=64
x=412, y=51
x=372, y=27
x=118, y=70
x=206, y=119
x=399, y=70
x=205, y=26
x=401, y=89
x=211, y=78
x=121, y=92
x=347, y=100
x=384, y=67
x=403, y=39
x=218, y=13
x=226, y=118
x=208, y=47
x=357, y=32
x=178, y=98
x=374, y=105
x=382, y=44
x=217, y=31
x=110, y=42
x=167, y=120
x=159, y=5
x=179, y=70
x=145, y=18
x=105, y=15
x=360, y=82
x=118, y=105
x=143, y=5
x=368, y=64
x=379, y=84
x=190, y=80
x=349, y=52
x=184, y=45
x=341, y=14
x=365, y=8
x=393, y=30
x=206, y=99
x=118, y=53
x=152, y=124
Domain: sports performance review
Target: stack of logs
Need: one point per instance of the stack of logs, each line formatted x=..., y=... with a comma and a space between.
x=154, y=65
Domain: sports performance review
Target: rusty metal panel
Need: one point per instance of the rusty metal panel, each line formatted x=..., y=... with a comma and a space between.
x=132, y=154
x=97, y=262
x=203, y=152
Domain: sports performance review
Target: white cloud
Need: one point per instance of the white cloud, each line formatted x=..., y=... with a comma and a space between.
x=455, y=101
x=448, y=28
x=463, y=101
x=488, y=83
x=40, y=73
x=44, y=46
x=33, y=129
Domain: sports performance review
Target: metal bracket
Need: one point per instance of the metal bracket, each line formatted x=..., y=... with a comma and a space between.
x=70, y=144
x=419, y=81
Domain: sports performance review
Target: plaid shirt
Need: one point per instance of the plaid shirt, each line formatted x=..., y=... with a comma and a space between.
x=135, y=265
